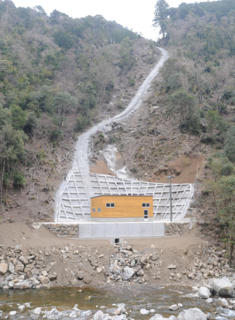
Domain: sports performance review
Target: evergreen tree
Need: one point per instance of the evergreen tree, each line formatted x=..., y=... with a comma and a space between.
x=160, y=16
x=229, y=145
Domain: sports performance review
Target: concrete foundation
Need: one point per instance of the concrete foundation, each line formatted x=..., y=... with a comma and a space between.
x=112, y=230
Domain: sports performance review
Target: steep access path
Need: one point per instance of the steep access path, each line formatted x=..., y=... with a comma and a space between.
x=79, y=176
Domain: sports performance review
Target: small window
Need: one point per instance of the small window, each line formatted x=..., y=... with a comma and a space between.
x=110, y=205
x=145, y=205
x=93, y=209
x=99, y=210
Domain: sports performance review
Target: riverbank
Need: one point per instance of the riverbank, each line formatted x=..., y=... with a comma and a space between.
x=31, y=258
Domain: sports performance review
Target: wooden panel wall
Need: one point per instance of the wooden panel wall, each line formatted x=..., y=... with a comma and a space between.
x=125, y=206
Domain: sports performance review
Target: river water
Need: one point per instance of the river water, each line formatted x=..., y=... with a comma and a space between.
x=92, y=299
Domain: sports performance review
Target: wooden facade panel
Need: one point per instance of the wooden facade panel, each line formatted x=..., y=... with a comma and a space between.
x=125, y=206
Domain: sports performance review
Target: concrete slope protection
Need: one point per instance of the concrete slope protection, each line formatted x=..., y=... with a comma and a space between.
x=73, y=197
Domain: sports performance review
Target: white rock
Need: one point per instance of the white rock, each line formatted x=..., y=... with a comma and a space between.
x=171, y=266
x=204, y=293
x=98, y=315
x=192, y=314
x=195, y=288
x=21, y=307
x=37, y=310
x=209, y=300
x=152, y=311
x=12, y=313
x=121, y=307
x=222, y=286
x=73, y=314
x=3, y=268
x=157, y=316
x=87, y=313
x=99, y=269
x=174, y=307
x=223, y=302
x=11, y=267
x=144, y=311
x=128, y=273
x=180, y=305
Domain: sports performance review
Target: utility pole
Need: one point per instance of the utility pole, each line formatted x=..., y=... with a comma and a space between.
x=169, y=177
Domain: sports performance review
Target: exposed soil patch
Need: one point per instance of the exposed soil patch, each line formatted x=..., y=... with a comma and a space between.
x=102, y=168
x=185, y=169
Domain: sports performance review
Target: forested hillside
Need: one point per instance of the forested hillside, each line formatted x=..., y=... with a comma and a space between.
x=58, y=75
x=198, y=88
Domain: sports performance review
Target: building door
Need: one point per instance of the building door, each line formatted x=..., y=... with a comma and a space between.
x=146, y=215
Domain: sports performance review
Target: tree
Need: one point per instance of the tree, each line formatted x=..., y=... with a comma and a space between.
x=229, y=144
x=12, y=151
x=160, y=16
x=40, y=10
x=225, y=195
x=19, y=117
x=186, y=107
x=64, y=102
x=212, y=117
x=63, y=39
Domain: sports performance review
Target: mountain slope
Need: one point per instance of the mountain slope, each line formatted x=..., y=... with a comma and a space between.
x=58, y=76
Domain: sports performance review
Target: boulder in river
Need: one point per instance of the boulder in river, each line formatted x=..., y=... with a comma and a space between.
x=204, y=293
x=159, y=317
x=21, y=285
x=222, y=286
x=144, y=311
x=37, y=311
x=174, y=307
x=99, y=315
x=121, y=307
x=192, y=314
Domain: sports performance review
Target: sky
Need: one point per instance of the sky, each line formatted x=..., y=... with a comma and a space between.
x=136, y=15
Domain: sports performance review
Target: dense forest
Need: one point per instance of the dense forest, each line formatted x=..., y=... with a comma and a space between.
x=199, y=87
x=52, y=67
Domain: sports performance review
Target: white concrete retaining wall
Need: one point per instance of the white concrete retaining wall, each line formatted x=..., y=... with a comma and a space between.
x=121, y=230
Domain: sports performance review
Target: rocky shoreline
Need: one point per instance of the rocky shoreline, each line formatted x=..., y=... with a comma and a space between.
x=221, y=308
x=120, y=266
x=78, y=266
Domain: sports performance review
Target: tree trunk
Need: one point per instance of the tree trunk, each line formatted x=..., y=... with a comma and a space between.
x=1, y=181
x=231, y=251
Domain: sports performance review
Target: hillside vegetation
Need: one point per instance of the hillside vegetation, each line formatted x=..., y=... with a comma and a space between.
x=57, y=75
x=198, y=88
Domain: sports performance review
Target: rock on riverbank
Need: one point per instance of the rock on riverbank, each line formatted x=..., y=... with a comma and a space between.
x=81, y=265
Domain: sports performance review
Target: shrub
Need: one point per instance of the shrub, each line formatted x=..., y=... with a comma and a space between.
x=18, y=179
